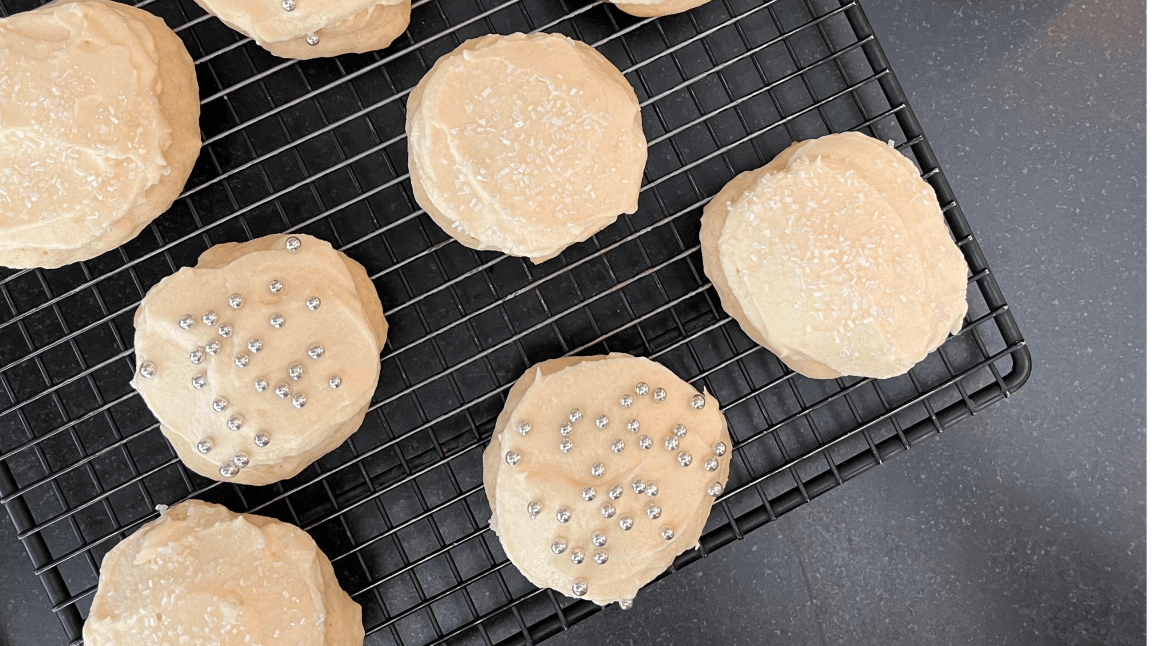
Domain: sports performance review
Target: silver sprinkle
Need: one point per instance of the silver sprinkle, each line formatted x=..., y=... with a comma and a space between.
x=283, y=390
x=224, y=330
x=196, y=356
x=565, y=445
x=292, y=243
x=720, y=448
x=625, y=604
x=626, y=401
x=666, y=533
x=711, y=464
x=534, y=509
x=186, y=322
x=512, y=457
x=219, y=404
x=204, y=446
x=261, y=385
x=599, y=539
x=602, y=421
x=296, y=372
x=645, y=442
x=577, y=557
x=209, y=317
x=680, y=430
x=313, y=303
x=589, y=493
x=671, y=442
x=255, y=345
x=579, y=587
x=685, y=458
x=289, y=5
x=235, y=423
x=335, y=381
x=575, y=415
x=625, y=523
x=653, y=511
x=715, y=489
x=607, y=510
x=261, y=439
x=615, y=492
x=240, y=460
x=617, y=446
x=316, y=351
x=242, y=360
x=524, y=428
x=198, y=381
x=235, y=301
x=638, y=485
x=566, y=428
x=299, y=400
x=563, y=515
x=633, y=425
x=642, y=389
x=660, y=394
x=697, y=401
x=213, y=347
x=276, y=321
x=275, y=287
x=651, y=489
x=148, y=369
x=601, y=557
x=312, y=40
x=559, y=546
x=598, y=469
x=229, y=470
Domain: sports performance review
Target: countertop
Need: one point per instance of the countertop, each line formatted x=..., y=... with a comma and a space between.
x=1024, y=524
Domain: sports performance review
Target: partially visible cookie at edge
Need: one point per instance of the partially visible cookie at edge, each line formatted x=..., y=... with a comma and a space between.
x=261, y=358
x=305, y=29
x=650, y=8
x=601, y=471
x=100, y=128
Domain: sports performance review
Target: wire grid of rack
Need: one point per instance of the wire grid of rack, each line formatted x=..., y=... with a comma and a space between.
x=319, y=147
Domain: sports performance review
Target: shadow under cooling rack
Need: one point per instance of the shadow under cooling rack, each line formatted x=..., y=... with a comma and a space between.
x=319, y=147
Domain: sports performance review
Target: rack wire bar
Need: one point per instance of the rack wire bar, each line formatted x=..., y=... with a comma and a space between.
x=319, y=147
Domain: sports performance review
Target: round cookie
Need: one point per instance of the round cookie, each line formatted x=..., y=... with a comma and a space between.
x=525, y=144
x=602, y=470
x=306, y=29
x=201, y=574
x=261, y=358
x=836, y=257
x=100, y=129
x=650, y=8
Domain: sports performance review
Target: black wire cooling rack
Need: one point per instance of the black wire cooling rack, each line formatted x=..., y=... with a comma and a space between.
x=319, y=147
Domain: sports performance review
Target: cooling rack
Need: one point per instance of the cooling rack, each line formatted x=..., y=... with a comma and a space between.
x=319, y=147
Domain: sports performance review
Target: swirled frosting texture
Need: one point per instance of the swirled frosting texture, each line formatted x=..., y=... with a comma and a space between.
x=81, y=128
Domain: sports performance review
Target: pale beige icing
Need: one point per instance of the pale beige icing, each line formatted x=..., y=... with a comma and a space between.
x=201, y=574
x=347, y=324
x=525, y=143
x=648, y=8
x=82, y=135
x=836, y=257
x=544, y=474
x=267, y=21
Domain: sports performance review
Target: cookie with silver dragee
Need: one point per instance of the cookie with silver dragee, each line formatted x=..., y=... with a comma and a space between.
x=261, y=358
x=601, y=471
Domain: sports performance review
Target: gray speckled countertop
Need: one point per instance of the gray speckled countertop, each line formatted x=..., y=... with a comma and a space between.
x=1024, y=524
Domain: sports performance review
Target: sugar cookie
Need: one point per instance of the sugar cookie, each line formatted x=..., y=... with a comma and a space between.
x=525, y=144
x=836, y=257
x=601, y=471
x=649, y=8
x=100, y=129
x=261, y=358
x=201, y=574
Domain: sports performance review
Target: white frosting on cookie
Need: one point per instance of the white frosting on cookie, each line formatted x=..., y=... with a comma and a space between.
x=601, y=471
x=272, y=21
x=261, y=358
x=201, y=574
